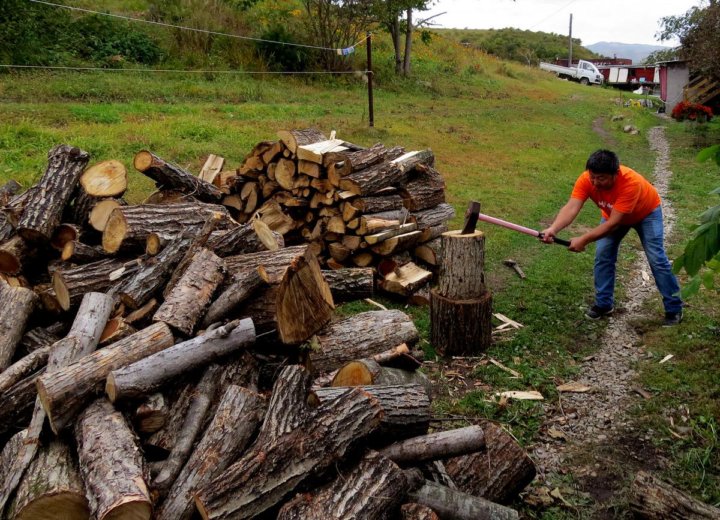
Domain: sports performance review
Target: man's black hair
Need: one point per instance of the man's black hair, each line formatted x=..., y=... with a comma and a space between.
x=603, y=161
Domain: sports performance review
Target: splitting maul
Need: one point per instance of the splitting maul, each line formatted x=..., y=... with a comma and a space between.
x=521, y=229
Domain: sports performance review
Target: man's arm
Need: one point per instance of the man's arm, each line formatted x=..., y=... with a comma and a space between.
x=564, y=218
x=578, y=244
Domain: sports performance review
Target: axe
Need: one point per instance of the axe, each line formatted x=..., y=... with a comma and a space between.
x=473, y=215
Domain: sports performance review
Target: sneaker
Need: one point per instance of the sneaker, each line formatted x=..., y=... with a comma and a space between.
x=673, y=318
x=595, y=312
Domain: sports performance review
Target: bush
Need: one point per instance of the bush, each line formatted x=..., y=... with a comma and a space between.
x=691, y=111
x=109, y=43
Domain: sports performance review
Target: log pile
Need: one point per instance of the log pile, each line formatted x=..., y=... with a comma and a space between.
x=168, y=359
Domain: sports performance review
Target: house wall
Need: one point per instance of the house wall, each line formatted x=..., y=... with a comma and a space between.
x=678, y=77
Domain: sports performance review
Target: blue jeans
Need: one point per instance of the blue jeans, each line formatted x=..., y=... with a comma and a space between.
x=650, y=231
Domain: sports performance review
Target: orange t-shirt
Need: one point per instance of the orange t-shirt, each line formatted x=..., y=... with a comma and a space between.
x=632, y=194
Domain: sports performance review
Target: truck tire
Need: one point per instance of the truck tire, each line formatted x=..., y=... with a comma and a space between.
x=584, y=81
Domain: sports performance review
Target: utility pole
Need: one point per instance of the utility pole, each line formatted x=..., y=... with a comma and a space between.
x=570, y=44
x=371, y=106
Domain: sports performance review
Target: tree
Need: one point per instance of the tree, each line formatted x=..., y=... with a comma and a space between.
x=395, y=16
x=699, y=37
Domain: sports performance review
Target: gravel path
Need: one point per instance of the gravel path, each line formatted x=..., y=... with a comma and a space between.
x=598, y=415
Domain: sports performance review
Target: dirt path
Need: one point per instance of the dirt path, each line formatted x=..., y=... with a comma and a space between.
x=581, y=422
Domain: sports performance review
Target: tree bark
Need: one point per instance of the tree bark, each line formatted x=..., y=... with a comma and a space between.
x=437, y=216
x=294, y=138
x=414, y=511
x=52, y=487
x=498, y=473
x=248, y=238
x=393, y=173
x=448, y=503
x=244, y=285
x=461, y=275
x=111, y=464
x=349, y=284
x=24, y=368
x=361, y=336
x=170, y=176
x=186, y=304
x=460, y=327
x=274, y=263
x=163, y=441
x=150, y=373
x=63, y=393
x=18, y=304
x=16, y=403
x=436, y=446
x=406, y=409
x=46, y=203
x=653, y=499
x=71, y=284
x=264, y=475
x=236, y=419
x=372, y=490
x=345, y=163
x=77, y=252
x=424, y=191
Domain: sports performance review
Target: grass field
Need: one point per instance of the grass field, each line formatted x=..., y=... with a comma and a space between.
x=510, y=137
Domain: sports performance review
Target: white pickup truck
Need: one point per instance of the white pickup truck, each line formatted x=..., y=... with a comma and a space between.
x=585, y=72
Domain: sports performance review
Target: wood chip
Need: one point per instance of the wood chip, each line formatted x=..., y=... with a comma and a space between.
x=574, y=386
x=506, y=369
x=666, y=358
x=521, y=395
x=644, y=393
x=505, y=319
x=376, y=304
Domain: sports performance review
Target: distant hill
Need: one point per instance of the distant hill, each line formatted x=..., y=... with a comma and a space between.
x=637, y=52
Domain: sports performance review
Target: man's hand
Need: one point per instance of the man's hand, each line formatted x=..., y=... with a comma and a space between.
x=548, y=235
x=577, y=245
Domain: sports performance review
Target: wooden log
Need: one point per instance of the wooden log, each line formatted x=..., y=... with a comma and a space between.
x=244, y=285
x=433, y=232
x=64, y=392
x=129, y=227
x=429, y=252
x=344, y=163
x=360, y=336
x=111, y=464
x=303, y=303
x=379, y=203
x=64, y=233
x=160, y=444
x=52, y=487
x=264, y=475
x=273, y=262
x=171, y=176
x=17, y=402
x=392, y=173
x=350, y=284
x=294, y=138
x=436, y=216
x=16, y=253
x=9, y=453
x=498, y=473
x=46, y=204
x=414, y=511
x=460, y=327
x=48, y=298
x=425, y=190
x=338, y=252
x=363, y=372
x=436, y=446
x=448, y=503
x=199, y=405
x=653, y=499
x=373, y=489
x=461, y=275
x=379, y=238
x=272, y=152
x=43, y=336
x=148, y=374
x=405, y=280
x=105, y=179
x=249, y=238
x=406, y=409
x=285, y=174
x=151, y=414
x=18, y=303
x=236, y=419
x=143, y=313
x=100, y=213
x=79, y=253
x=186, y=304
x=71, y=284
x=24, y=367
x=210, y=172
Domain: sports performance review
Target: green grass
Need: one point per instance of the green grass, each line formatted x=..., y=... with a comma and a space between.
x=512, y=137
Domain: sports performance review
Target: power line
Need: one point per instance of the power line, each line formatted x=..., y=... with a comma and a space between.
x=343, y=52
x=240, y=72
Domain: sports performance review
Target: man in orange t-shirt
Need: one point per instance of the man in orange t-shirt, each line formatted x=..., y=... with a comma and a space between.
x=627, y=200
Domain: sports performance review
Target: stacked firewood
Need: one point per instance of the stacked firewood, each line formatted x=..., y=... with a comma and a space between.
x=162, y=359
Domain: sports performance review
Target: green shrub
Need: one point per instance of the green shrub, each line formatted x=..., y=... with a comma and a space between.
x=107, y=42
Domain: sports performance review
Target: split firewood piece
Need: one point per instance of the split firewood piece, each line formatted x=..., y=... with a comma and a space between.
x=653, y=499
x=211, y=169
x=365, y=372
x=143, y=313
x=64, y=392
x=314, y=152
x=498, y=473
x=100, y=212
x=24, y=367
x=129, y=227
x=115, y=330
x=18, y=304
x=266, y=474
x=151, y=414
x=310, y=169
x=52, y=487
x=361, y=336
x=73, y=283
x=171, y=176
x=403, y=229
x=294, y=138
x=149, y=373
x=349, y=284
x=16, y=254
x=272, y=214
x=105, y=179
x=228, y=434
x=406, y=409
x=248, y=238
x=243, y=285
x=288, y=404
x=406, y=280
x=80, y=341
x=304, y=303
x=434, y=446
x=111, y=464
x=436, y=216
x=79, y=253
x=345, y=163
x=194, y=419
x=339, y=253
x=272, y=152
x=285, y=173
x=429, y=252
x=187, y=302
x=373, y=489
x=46, y=204
x=426, y=189
x=449, y=503
x=414, y=511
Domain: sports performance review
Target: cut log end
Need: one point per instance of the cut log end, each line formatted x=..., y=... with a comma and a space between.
x=143, y=160
x=353, y=373
x=101, y=212
x=105, y=179
x=115, y=232
x=61, y=292
x=111, y=388
x=61, y=505
x=9, y=263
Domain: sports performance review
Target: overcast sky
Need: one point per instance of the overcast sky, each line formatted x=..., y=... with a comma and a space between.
x=624, y=21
